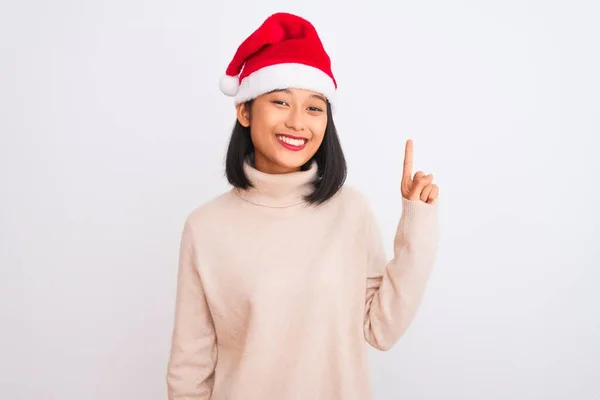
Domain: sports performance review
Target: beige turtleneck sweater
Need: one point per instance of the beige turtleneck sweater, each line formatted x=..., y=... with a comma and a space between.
x=276, y=299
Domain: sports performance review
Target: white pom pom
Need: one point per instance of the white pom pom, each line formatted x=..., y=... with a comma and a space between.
x=229, y=85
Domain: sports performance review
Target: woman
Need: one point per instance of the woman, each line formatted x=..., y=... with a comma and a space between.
x=283, y=279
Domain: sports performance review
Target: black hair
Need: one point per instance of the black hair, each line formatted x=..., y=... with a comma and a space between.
x=332, y=169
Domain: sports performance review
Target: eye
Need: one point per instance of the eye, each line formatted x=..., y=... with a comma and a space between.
x=279, y=102
x=315, y=109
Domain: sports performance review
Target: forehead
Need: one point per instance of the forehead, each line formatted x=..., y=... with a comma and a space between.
x=304, y=93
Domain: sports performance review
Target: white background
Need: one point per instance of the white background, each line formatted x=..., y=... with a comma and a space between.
x=113, y=129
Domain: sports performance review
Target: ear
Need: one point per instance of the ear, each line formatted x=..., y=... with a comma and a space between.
x=243, y=115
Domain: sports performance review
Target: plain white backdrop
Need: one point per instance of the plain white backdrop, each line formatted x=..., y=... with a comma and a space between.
x=112, y=129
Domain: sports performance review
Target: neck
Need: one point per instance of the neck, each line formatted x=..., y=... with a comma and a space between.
x=265, y=165
x=278, y=190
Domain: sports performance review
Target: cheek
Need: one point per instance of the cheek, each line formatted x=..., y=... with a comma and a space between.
x=318, y=129
x=260, y=141
x=261, y=131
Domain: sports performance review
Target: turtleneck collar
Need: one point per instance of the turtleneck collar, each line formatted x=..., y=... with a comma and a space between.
x=278, y=190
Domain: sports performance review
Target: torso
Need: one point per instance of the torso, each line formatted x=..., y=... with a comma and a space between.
x=286, y=290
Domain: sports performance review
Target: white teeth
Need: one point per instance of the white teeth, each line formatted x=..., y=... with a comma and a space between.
x=293, y=142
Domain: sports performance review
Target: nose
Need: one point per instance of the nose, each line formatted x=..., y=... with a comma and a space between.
x=294, y=119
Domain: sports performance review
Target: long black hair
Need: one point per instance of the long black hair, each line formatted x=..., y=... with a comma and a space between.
x=332, y=169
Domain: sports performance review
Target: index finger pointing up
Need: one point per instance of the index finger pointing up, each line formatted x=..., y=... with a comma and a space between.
x=408, y=160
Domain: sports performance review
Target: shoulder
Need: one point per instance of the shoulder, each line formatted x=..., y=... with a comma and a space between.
x=210, y=212
x=353, y=199
x=354, y=195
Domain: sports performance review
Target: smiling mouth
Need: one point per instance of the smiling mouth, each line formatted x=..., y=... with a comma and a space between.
x=296, y=142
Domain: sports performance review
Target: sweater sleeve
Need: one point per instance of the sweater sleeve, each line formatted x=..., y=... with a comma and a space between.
x=395, y=288
x=193, y=354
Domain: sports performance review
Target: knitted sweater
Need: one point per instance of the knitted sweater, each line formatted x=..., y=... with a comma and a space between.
x=277, y=299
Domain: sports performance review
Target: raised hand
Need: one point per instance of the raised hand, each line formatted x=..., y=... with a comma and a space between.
x=419, y=187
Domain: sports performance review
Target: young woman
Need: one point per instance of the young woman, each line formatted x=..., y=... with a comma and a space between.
x=283, y=279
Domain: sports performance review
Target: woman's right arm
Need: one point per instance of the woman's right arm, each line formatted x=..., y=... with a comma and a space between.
x=193, y=356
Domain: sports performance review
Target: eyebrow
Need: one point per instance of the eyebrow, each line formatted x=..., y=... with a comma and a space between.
x=316, y=96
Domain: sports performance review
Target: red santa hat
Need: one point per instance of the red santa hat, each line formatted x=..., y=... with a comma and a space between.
x=284, y=52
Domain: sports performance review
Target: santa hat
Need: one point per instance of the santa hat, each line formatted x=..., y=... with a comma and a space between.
x=284, y=52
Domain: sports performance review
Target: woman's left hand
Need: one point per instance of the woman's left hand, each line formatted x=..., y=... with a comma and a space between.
x=419, y=186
